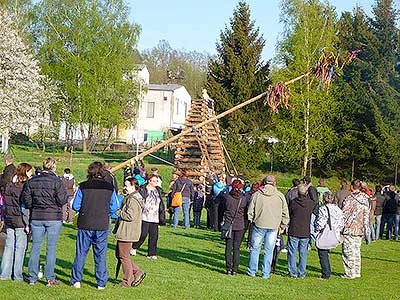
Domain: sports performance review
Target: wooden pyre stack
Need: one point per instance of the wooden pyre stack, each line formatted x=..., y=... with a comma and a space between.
x=201, y=151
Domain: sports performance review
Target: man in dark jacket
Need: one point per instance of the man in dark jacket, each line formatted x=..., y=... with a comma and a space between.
x=300, y=210
x=44, y=195
x=313, y=195
x=110, y=177
x=95, y=200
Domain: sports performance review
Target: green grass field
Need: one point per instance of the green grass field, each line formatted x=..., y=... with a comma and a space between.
x=191, y=265
x=191, y=262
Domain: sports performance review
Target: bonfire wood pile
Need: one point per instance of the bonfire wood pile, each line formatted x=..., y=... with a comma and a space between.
x=200, y=152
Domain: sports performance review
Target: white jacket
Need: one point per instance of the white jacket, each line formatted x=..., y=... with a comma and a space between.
x=337, y=219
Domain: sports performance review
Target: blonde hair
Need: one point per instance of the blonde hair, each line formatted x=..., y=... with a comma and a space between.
x=49, y=164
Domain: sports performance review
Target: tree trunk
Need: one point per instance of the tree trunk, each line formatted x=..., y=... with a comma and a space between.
x=4, y=141
x=307, y=129
x=83, y=136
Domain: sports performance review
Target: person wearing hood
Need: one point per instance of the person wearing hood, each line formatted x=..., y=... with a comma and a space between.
x=300, y=210
x=269, y=214
x=128, y=230
x=69, y=184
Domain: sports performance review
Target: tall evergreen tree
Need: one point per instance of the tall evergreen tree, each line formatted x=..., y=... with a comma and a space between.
x=369, y=124
x=236, y=74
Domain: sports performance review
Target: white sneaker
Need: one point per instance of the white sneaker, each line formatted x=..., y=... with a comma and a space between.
x=101, y=287
x=152, y=257
x=284, y=250
x=133, y=252
x=77, y=285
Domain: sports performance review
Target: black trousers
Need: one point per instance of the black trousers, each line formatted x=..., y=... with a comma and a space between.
x=325, y=264
x=216, y=225
x=233, y=245
x=150, y=229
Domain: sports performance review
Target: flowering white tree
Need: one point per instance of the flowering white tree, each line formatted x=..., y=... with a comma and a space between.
x=24, y=98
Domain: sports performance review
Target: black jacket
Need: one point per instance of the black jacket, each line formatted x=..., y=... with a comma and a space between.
x=300, y=210
x=231, y=205
x=188, y=191
x=44, y=195
x=161, y=210
x=94, y=213
x=313, y=195
x=12, y=200
x=110, y=177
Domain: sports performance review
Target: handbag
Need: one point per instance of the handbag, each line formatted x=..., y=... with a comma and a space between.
x=327, y=238
x=226, y=228
x=177, y=198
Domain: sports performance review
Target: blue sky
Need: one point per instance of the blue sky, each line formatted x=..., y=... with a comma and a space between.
x=196, y=24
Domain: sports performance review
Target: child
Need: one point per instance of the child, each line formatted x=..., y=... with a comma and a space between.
x=198, y=201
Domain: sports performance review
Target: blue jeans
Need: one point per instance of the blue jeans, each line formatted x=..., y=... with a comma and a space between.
x=378, y=226
x=98, y=239
x=39, y=230
x=396, y=227
x=175, y=220
x=196, y=218
x=297, y=244
x=258, y=236
x=14, y=253
x=186, y=213
x=389, y=220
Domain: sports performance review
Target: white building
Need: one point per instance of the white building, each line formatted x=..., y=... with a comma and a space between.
x=164, y=107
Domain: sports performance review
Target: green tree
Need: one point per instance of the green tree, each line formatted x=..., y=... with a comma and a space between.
x=369, y=100
x=306, y=130
x=88, y=48
x=236, y=74
x=188, y=67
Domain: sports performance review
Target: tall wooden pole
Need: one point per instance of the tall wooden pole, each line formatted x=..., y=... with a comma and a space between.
x=189, y=130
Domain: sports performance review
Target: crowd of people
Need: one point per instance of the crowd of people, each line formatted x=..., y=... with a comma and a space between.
x=36, y=202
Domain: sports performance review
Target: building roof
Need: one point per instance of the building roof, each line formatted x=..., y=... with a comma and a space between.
x=163, y=87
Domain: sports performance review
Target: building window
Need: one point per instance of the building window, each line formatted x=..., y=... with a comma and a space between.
x=165, y=98
x=150, y=109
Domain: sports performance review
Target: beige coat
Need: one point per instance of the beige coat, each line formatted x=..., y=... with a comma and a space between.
x=268, y=209
x=129, y=223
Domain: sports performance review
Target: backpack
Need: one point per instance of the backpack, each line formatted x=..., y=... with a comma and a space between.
x=390, y=206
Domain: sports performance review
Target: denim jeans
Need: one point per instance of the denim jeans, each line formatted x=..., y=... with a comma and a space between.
x=396, y=227
x=175, y=220
x=258, y=236
x=389, y=220
x=186, y=212
x=196, y=218
x=378, y=226
x=98, y=239
x=297, y=244
x=14, y=253
x=39, y=230
x=372, y=231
